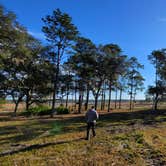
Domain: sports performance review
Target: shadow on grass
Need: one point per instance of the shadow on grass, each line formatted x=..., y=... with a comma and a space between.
x=24, y=148
x=75, y=124
x=23, y=132
x=142, y=116
x=31, y=130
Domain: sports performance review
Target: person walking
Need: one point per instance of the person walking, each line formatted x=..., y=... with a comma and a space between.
x=91, y=117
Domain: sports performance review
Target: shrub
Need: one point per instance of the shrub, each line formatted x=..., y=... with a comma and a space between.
x=40, y=110
x=2, y=101
x=62, y=110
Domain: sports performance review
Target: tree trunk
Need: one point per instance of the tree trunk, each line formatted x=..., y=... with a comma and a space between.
x=131, y=93
x=75, y=95
x=67, y=96
x=120, y=98
x=130, y=101
x=96, y=101
x=104, y=96
x=67, y=99
x=50, y=100
x=72, y=99
x=53, y=100
x=16, y=107
x=96, y=94
x=116, y=96
x=80, y=102
x=109, y=100
x=16, y=104
x=156, y=102
x=27, y=100
x=134, y=95
x=87, y=99
x=55, y=86
x=102, y=99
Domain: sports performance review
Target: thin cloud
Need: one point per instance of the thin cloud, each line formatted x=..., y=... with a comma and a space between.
x=37, y=35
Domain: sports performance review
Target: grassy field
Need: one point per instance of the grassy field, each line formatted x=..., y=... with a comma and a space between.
x=123, y=138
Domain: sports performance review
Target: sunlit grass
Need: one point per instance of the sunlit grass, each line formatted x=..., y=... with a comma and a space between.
x=122, y=139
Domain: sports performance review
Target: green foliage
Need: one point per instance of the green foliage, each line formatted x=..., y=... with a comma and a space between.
x=2, y=101
x=40, y=110
x=62, y=110
x=22, y=69
x=158, y=59
x=60, y=32
x=64, y=30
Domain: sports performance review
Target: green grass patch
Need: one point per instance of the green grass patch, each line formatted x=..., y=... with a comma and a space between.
x=138, y=137
x=57, y=128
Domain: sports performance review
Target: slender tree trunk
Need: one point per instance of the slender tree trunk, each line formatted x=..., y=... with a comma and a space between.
x=72, y=101
x=156, y=102
x=96, y=101
x=104, y=96
x=102, y=99
x=55, y=86
x=75, y=96
x=61, y=100
x=50, y=98
x=67, y=99
x=131, y=93
x=120, y=98
x=27, y=100
x=80, y=102
x=131, y=101
x=67, y=96
x=87, y=99
x=116, y=97
x=156, y=74
x=96, y=94
x=109, y=99
x=16, y=104
x=53, y=99
x=156, y=80
x=16, y=107
x=134, y=95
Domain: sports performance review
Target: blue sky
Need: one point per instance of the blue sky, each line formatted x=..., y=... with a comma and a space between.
x=137, y=26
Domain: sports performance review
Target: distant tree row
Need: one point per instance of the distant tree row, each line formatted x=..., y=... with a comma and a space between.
x=70, y=65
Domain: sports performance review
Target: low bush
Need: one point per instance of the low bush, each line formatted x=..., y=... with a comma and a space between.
x=40, y=110
x=62, y=110
x=44, y=110
x=2, y=101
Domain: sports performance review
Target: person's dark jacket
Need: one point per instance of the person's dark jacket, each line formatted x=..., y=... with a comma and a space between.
x=91, y=116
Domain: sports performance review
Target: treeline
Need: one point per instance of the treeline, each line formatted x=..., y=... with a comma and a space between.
x=69, y=65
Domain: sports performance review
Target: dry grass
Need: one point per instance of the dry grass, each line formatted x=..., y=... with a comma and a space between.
x=123, y=138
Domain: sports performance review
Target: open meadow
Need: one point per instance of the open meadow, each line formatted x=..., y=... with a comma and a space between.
x=123, y=138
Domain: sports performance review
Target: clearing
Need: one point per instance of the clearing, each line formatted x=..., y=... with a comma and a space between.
x=123, y=138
